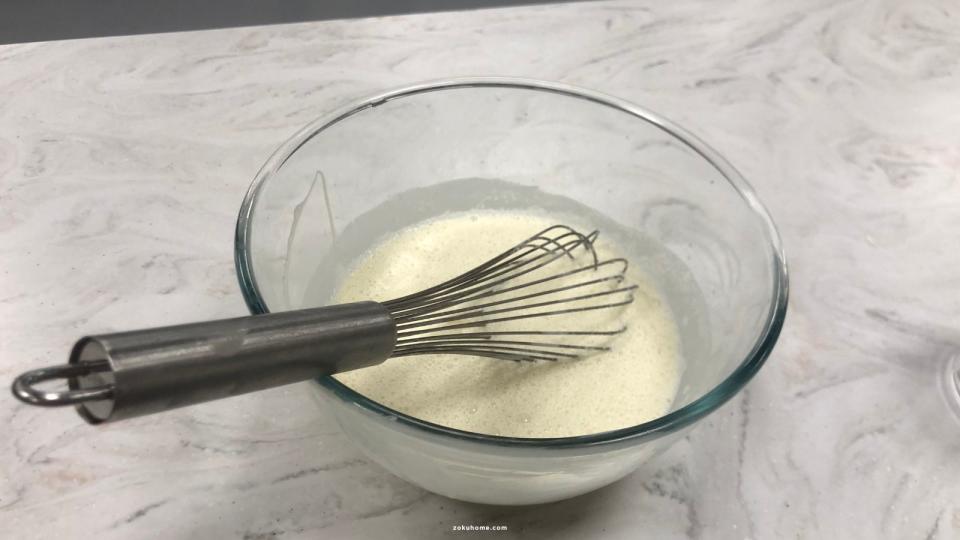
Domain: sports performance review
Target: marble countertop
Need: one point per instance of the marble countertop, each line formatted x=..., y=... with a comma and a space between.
x=123, y=162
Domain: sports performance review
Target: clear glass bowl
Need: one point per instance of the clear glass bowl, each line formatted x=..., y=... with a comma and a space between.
x=687, y=216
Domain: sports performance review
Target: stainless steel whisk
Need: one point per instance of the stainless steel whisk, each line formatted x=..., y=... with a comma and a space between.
x=117, y=376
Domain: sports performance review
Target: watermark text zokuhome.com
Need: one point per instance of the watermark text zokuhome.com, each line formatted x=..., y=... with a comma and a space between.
x=479, y=528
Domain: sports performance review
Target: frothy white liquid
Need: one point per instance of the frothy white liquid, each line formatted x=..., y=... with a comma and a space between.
x=634, y=382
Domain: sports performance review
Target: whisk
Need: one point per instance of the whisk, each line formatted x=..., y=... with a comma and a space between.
x=524, y=305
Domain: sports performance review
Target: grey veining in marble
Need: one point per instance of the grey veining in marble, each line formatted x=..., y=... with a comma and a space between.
x=124, y=160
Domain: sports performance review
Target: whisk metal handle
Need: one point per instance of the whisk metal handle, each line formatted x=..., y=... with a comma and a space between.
x=117, y=376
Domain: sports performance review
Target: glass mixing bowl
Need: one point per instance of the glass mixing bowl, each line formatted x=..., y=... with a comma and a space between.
x=681, y=212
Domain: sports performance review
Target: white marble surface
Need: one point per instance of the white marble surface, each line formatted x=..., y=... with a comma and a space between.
x=123, y=162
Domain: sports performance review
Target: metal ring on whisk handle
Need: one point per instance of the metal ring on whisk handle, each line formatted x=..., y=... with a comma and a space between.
x=24, y=385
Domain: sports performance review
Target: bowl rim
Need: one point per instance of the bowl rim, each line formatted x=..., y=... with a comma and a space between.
x=663, y=425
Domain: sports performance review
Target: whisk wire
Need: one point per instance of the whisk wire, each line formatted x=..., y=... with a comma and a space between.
x=431, y=309
x=480, y=282
x=439, y=320
x=498, y=261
